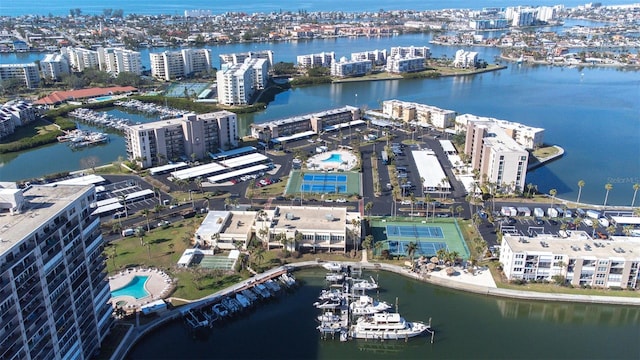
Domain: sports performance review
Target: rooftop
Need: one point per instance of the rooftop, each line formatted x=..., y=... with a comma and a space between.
x=310, y=217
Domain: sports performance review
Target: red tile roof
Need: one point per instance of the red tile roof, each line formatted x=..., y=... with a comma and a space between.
x=57, y=97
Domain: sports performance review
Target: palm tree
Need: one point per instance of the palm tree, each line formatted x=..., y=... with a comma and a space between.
x=553, y=193
x=205, y=203
x=215, y=238
x=140, y=233
x=529, y=188
x=580, y=185
x=367, y=243
x=441, y=254
x=123, y=200
x=367, y=208
x=459, y=209
x=607, y=187
x=258, y=255
x=158, y=194
x=411, y=249
x=378, y=247
x=356, y=232
x=636, y=186
x=147, y=213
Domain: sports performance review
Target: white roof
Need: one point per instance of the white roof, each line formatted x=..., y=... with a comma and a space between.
x=212, y=223
x=196, y=171
x=80, y=180
x=447, y=146
x=130, y=197
x=243, y=160
x=168, y=167
x=186, y=257
x=343, y=125
x=626, y=220
x=429, y=169
x=294, y=136
x=107, y=208
x=237, y=173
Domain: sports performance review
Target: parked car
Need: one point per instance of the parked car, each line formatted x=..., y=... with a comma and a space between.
x=128, y=232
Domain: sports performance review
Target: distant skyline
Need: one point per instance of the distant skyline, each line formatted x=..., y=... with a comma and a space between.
x=62, y=7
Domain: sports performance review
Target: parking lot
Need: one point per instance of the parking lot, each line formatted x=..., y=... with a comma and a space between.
x=123, y=190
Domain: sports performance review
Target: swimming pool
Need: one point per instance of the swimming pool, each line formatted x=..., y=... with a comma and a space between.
x=335, y=158
x=103, y=98
x=134, y=288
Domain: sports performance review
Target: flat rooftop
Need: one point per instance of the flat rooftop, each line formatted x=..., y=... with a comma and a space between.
x=42, y=203
x=575, y=246
x=311, y=218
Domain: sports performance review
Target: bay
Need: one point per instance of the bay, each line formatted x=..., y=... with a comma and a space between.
x=466, y=325
x=62, y=7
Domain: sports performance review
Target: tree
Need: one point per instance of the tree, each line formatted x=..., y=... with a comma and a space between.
x=258, y=255
x=636, y=186
x=140, y=233
x=367, y=208
x=411, y=249
x=608, y=188
x=580, y=185
x=553, y=193
x=90, y=162
x=147, y=213
x=123, y=200
x=378, y=247
x=459, y=209
x=215, y=238
x=367, y=243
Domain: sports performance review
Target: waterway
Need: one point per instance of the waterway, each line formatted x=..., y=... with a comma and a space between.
x=467, y=326
x=593, y=113
x=62, y=7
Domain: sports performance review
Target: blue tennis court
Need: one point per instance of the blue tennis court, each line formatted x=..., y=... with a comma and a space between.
x=325, y=178
x=408, y=231
x=426, y=248
x=316, y=188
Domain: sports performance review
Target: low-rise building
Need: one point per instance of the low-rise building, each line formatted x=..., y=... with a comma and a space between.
x=15, y=113
x=578, y=258
x=404, y=64
x=421, y=113
x=465, y=59
x=323, y=59
x=348, y=68
x=226, y=230
x=188, y=137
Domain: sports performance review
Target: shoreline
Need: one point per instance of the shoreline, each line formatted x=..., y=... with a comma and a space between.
x=135, y=334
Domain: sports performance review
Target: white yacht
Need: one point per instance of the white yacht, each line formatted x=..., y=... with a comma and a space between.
x=386, y=326
x=334, y=277
x=332, y=266
x=366, y=305
x=362, y=284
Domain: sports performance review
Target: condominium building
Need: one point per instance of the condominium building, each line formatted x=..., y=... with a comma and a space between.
x=27, y=74
x=53, y=286
x=421, y=113
x=498, y=158
x=399, y=64
x=346, y=68
x=53, y=66
x=170, y=65
x=581, y=260
x=189, y=137
x=240, y=58
x=465, y=59
x=306, y=125
x=323, y=59
x=117, y=60
x=410, y=51
x=528, y=136
x=310, y=228
x=80, y=58
x=377, y=57
x=237, y=83
x=15, y=113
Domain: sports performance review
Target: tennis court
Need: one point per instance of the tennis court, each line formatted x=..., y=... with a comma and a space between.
x=429, y=237
x=186, y=89
x=323, y=183
x=217, y=262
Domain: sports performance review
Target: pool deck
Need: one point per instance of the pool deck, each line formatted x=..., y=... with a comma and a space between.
x=319, y=162
x=158, y=285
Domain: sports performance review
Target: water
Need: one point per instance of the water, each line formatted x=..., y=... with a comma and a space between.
x=467, y=326
x=62, y=7
x=134, y=288
x=581, y=109
x=334, y=158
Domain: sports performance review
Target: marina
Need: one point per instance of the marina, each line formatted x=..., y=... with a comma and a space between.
x=347, y=312
x=164, y=112
x=83, y=138
x=99, y=119
x=225, y=307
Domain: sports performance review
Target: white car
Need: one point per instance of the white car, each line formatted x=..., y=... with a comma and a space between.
x=341, y=200
x=405, y=202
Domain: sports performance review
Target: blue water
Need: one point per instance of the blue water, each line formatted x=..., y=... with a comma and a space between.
x=103, y=98
x=334, y=158
x=134, y=288
x=62, y=7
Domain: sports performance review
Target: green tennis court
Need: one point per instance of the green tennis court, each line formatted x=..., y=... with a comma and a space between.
x=217, y=262
x=429, y=236
x=185, y=89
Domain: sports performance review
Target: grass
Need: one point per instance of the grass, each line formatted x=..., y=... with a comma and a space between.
x=545, y=152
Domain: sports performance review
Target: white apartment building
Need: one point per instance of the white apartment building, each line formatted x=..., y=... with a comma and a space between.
x=237, y=83
x=117, y=60
x=527, y=136
x=170, y=65
x=309, y=228
x=324, y=59
x=410, y=51
x=240, y=58
x=27, y=73
x=346, y=68
x=80, y=58
x=421, y=113
x=53, y=66
x=185, y=138
x=378, y=57
x=226, y=230
x=498, y=158
x=580, y=259
x=53, y=286
x=15, y=113
x=465, y=59
x=397, y=64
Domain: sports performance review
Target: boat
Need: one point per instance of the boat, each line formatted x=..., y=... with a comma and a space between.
x=332, y=266
x=330, y=294
x=333, y=277
x=329, y=316
x=328, y=304
x=386, y=326
x=243, y=300
x=220, y=310
x=262, y=291
x=364, y=285
x=273, y=286
x=252, y=296
x=366, y=305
